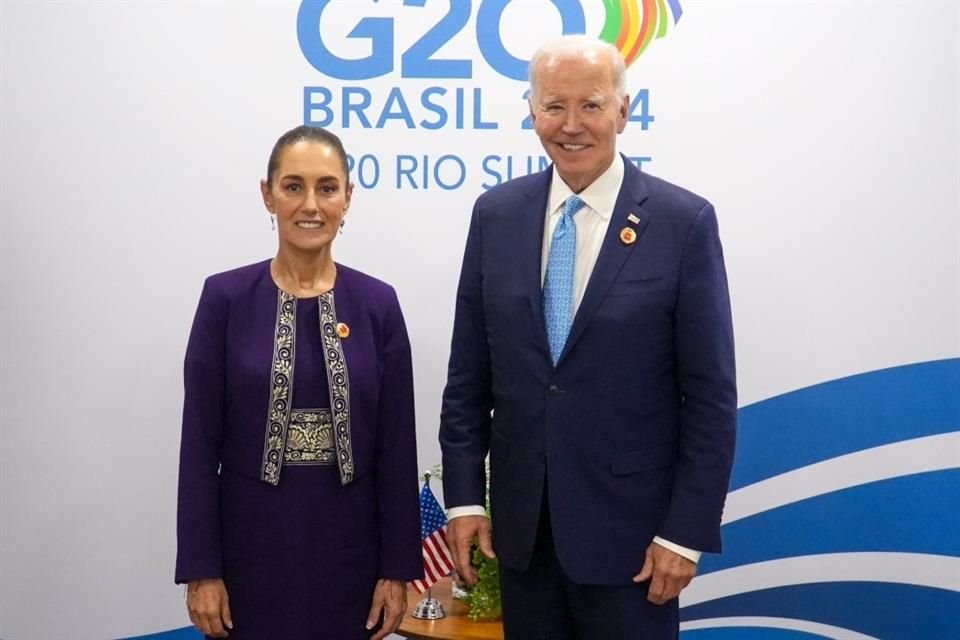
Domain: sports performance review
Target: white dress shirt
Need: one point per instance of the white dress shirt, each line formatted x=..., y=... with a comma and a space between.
x=592, y=221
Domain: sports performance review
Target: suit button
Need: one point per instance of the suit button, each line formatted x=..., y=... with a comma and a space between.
x=554, y=390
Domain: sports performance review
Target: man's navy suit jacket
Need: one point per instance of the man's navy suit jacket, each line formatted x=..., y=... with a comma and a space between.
x=633, y=429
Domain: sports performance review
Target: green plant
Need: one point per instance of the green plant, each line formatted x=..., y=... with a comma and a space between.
x=484, y=597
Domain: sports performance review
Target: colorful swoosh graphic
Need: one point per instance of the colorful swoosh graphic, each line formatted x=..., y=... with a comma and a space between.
x=630, y=25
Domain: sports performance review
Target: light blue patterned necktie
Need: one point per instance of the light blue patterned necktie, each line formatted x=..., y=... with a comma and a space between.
x=558, y=281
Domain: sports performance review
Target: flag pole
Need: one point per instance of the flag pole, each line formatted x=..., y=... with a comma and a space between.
x=429, y=608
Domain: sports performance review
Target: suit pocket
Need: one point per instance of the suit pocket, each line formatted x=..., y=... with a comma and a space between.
x=637, y=286
x=507, y=316
x=649, y=459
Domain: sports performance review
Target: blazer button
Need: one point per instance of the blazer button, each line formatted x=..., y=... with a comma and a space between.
x=554, y=390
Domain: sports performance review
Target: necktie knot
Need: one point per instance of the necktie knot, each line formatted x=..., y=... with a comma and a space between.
x=559, y=278
x=572, y=206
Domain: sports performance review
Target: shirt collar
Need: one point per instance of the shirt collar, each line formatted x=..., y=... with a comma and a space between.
x=600, y=196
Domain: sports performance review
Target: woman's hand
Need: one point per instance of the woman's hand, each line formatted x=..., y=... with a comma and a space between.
x=209, y=607
x=390, y=596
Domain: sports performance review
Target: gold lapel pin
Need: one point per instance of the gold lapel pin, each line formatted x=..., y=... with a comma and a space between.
x=633, y=218
x=628, y=236
x=343, y=330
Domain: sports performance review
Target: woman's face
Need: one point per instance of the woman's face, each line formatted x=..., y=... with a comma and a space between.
x=309, y=194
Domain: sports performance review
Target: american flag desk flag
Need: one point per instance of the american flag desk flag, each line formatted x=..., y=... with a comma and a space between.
x=437, y=561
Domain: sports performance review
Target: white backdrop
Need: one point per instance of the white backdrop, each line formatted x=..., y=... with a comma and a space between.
x=133, y=136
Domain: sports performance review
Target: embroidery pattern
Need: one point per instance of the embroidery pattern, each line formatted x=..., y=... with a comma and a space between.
x=281, y=383
x=310, y=438
x=339, y=383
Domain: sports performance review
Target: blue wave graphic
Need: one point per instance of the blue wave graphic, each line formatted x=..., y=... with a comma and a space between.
x=917, y=513
x=882, y=610
x=834, y=418
x=184, y=633
x=892, y=515
x=744, y=633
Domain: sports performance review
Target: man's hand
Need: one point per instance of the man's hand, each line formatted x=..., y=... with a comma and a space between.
x=390, y=599
x=461, y=532
x=209, y=607
x=667, y=571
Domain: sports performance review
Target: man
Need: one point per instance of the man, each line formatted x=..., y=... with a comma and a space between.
x=592, y=356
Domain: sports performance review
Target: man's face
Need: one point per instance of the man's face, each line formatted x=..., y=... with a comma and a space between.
x=577, y=114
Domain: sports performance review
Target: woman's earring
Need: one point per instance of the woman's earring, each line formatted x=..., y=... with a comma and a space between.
x=273, y=222
x=342, y=222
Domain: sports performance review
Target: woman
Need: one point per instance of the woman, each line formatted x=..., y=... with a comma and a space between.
x=298, y=512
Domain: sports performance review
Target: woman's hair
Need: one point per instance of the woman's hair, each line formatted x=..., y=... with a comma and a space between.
x=308, y=134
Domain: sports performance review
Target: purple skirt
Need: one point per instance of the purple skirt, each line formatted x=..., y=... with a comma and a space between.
x=301, y=558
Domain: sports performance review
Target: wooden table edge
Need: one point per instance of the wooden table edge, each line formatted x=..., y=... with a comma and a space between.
x=456, y=626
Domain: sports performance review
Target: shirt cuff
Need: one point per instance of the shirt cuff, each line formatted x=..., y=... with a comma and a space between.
x=690, y=554
x=476, y=510
x=466, y=510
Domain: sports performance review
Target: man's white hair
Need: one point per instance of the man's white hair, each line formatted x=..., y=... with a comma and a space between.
x=579, y=46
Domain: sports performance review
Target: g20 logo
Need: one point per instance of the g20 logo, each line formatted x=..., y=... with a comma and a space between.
x=629, y=25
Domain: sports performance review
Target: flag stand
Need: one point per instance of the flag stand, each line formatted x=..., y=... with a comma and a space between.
x=429, y=608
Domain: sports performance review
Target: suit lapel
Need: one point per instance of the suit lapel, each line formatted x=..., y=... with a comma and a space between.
x=613, y=252
x=530, y=252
